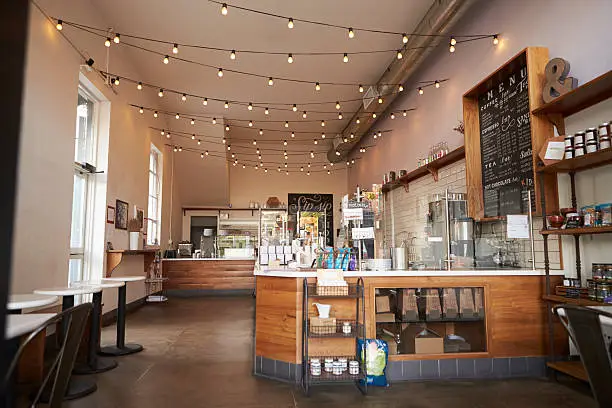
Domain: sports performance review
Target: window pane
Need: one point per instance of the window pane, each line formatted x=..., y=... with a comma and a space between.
x=79, y=201
x=75, y=270
x=153, y=162
x=152, y=185
x=84, y=143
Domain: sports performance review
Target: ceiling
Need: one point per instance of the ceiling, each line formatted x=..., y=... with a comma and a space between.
x=200, y=22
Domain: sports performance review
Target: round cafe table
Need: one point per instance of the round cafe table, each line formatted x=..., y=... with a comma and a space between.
x=77, y=387
x=120, y=348
x=94, y=364
x=17, y=302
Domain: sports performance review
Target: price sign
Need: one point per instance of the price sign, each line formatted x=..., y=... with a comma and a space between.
x=363, y=233
x=353, y=214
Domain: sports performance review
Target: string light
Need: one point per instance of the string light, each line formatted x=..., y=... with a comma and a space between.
x=229, y=147
x=202, y=155
x=141, y=110
x=404, y=38
x=360, y=88
x=155, y=114
x=351, y=33
x=380, y=100
x=116, y=81
x=301, y=168
x=323, y=123
x=358, y=121
x=316, y=141
x=59, y=25
x=308, y=165
x=392, y=115
x=345, y=140
x=193, y=121
x=177, y=116
x=322, y=135
x=353, y=161
x=267, y=111
x=270, y=81
x=244, y=166
x=227, y=128
x=400, y=88
x=294, y=108
x=339, y=115
x=180, y=148
x=205, y=102
x=284, y=143
x=139, y=86
x=495, y=39
x=437, y=84
x=345, y=58
x=162, y=132
x=286, y=124
x=233, y=55
x=337, y=105
x=250, y=123
x=226, y=105
x=352, y=135
x=168, y=135
x=250, y=107
x=290, y=23
x=107, y=43
x=255, y=142
x=224, y=9
x=399, y=55
x=175, y=49
x=220, y=73
x=193, y=137
x=160, y=93
x=421, y=91
x=166, y=60
x=214, y=121
x=279, y=169
x=292, y=134
x=184, y=97
x=261, y=132
x=304, y=115
x=199, y=142
x=317, y=87
x=379, y=133
x=290, y=58
x=404, y=113
x=116, y=40
x=328, y=172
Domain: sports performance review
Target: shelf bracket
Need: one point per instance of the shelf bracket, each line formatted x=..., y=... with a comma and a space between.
x=406, y=185
x=434, y=173
x=557, y=120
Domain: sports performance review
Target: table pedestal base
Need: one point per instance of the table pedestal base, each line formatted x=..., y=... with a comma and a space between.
x=100, y=366
x=121, y=351
x=77, y=388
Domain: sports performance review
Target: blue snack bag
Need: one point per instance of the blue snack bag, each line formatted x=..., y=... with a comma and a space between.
x=375, y=360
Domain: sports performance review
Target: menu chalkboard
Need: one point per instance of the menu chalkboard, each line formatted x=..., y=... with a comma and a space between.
x=505, y=143
x=322, y=203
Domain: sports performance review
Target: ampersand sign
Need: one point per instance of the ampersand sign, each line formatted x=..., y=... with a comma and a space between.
x=557, y=82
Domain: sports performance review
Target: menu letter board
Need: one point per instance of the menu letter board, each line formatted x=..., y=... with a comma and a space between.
x=505, y=144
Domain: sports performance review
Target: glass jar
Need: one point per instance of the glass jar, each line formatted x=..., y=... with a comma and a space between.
x=608, y=273
x=346, y=328
x=343, y=364
x=578, y=149
x=579, y=138
x=353, y=367
x=329, y=365
x=592, y=289
x=315, y=368
x=604, y=135
x=591, y=146
x=598, y=272
x=569, y=152
x=569, y=141
x=604, y=290
x=591, y=135
x=337, y=368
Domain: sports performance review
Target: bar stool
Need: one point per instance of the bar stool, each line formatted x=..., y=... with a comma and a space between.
x=121, y=349
x=78, y=387
x=94, y=364
x=17, y=302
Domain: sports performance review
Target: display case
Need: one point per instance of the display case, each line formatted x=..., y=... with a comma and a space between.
x=237, y=238
x=431, y=320
x=274, y=237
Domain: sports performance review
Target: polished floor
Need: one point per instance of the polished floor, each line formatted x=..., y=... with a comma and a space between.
x=198, y=353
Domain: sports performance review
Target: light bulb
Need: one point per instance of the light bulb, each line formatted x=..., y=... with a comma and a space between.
x=292, y=134
x=316, y=141
x=116, y=39
x=323, y=123
x=453, y=41
x=202, y=155
x=399, y=54
x=421, y=91
x=220, y=73
x=155, y=114
x=437, y=84
x=226, y=105
x=141, y=110
x=166, y=60
x=175, y=49
x=180, y=148
x=379, y=133
x=311, y=154
x=304, y=115
x=254, y=142
x=175, y=149
x=380, y=100
x=328, y=172
x=322, y=135
x=250, y=107
x=270, y=81
x=337, y=105
x=284, y=143
x=404, y=38
x=351, y=33
x=260, y=132
x=340, y=115
x=229, y=147
x=278, y=169
x=214, y=121
x=375, y=136
x=160, y=93
x=285, y=165
x=345, y=58
x=168, y=135
x=107, y=43
x=301, y=168
x=308, y=165
x=495, y=39
x=177, y=116
x=290, y=23
x=392, y=115
x=400, y=88
x=353, y=161
x=286, y=124
x=352, y=135
x=184, y=97
x=224, y=9
x=345, y=140
x=139, y=86
x=374, y=115
x=193, y=121
x=59, y=25
x=332, y=164
x=205, y=102
x=361, y=88
x=404, y=113
x=267, y=111
x=358, y=121
x=199, y=142
x=317, y=87
x=193, y=137
x=233, y=55
x=227, y=128
x=243, y=166
x=116, y=81
x=451, y=48
x=348, y=163
x=250, y=123
x=337, y=153
x=294, y=107
x=290, y=58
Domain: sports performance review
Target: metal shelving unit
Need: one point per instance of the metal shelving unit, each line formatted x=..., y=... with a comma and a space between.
x=356, y=292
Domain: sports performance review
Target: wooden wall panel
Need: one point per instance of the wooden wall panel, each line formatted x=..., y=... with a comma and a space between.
x=221, y=274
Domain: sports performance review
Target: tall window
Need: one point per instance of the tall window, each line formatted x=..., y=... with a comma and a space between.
x=154, y=210
x=84, y=152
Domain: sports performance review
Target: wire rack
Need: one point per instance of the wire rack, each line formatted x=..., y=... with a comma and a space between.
x=337, y=330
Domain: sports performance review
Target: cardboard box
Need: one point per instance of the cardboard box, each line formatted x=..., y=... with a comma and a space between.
x=382, y=304
x=263, y=259
x=429, y=343
x=385, y=317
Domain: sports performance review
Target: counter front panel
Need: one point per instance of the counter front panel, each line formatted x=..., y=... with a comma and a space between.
x=209, y=274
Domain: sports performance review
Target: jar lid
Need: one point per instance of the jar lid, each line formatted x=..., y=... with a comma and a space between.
x=604, y=124
x=569, y=136
x=579, y=133
x=591, y=129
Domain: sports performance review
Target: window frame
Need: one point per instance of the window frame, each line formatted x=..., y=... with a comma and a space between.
x=155, y=178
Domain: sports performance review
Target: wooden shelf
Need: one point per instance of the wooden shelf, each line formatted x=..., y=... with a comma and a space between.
x=586, y=95
x=588, y=161
x=132, y=251
x=571, y=301
x=572, y=368
x=578, y=231
x=430, y=168
x=115, y=256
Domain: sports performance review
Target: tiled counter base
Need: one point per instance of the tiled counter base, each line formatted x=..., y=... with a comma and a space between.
x=415, y=370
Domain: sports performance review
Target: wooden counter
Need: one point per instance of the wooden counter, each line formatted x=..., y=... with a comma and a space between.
x=209, y=274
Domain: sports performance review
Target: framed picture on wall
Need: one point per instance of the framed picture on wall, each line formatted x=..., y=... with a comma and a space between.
x=121, y=214
x=140, y=216
x=110, y=214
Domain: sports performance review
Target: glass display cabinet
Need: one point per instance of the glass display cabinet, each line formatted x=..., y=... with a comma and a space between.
x=273, y=227
x=236, y=238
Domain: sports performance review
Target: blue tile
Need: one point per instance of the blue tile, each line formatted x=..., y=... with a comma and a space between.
x=394, y=370
x=501, y=367
x=282, y=370
x=411, y=369
x=536, y=366
x=298, y=372
x=518, y=366
x=465, y=368
x=448, y=368
x=430, y=369
x=483, y=368
x=268, y=367
x=258, y=364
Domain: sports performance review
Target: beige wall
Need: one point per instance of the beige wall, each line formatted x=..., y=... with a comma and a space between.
x=44, y=196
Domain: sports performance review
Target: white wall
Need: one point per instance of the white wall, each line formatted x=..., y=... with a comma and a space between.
x=44, y=195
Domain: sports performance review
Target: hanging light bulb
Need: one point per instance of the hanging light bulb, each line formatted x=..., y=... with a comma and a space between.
x=323, y=123
x=339, y=115
x=220, y=73
x=361, y=88
x=357, y=121
x=226, y=105
x=229, y=147
x=214, y=121
x=180, y=148
x=421, y=91
x=255, y=143
x=107, y=43
x=286, y=124
x=345, y=58
x=351, y=33
x=244, y=166
x=294, y=107
x=379, y=133
x=193, y=121
x=392, y=115
x=316, y=141
x=312, y=154
x=301, y=168
x=139, y=86
x=290, y=23
x=290, y=58
x=267, y=111
x=205, y=102
x=258, y=151
x=285, y=165
x=380, y=100
x=400, y=88
x=227, y=128
x=322, y=135
x=337, y=104
x=352, y=136
x=304, y=115
x=437, y=84
x=224, y=9
x=404, y=38
x=352, y=161
x=160, y=93
x=404, y=113
x=155, y=114
x=163, y=132
x=59, y=25
x=202, y=155
x=199, y=142
x=453, y=41
x=287, y=173
x=337, y=153
x=259, y=157
x=374, y=115
x=308, y=165
x=345, y=140
x=175, y=49
x=292, y=134
x=374, y=136
x=233, y=55
x=175, y=149
x=250, y=123
x=328, y=172
x=233, y=155
x=193, y=137
x=399, y=54
x=168, y=135
x=451, y=48
x=260, y=132
x=270, y=81
x=495, y=39
x=141, y=110
x=116, y=40
x=348, y=163
x=116, y=81
x=250, y=107
x=317, y=87
x=184, y=97
x=278, y=169
x=166, y=60
x=284, y=143
x=177, y=116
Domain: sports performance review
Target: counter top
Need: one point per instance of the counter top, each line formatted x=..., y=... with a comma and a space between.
x=237, y=258
x=293, y=273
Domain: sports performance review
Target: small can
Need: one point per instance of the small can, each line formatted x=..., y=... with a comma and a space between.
x=579, y=149
x=346, y=328
x=591, y=146
x=353, y=367
x=343, y=363
x=329, y=365
x=315, y=368
x=337, y=368
x=569, y=141
x=591, y=135
x=569, y=152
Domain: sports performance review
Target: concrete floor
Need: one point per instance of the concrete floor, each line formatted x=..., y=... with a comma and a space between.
x=198, y=353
